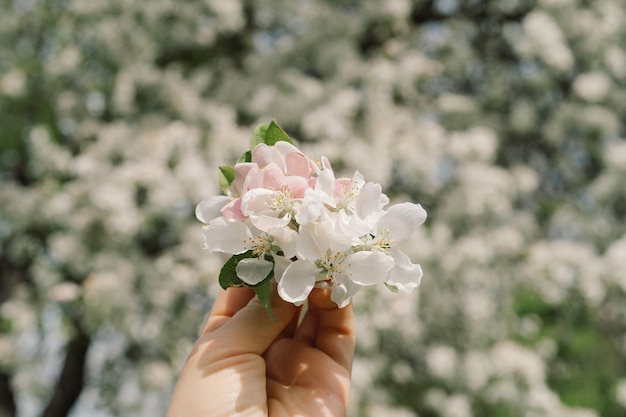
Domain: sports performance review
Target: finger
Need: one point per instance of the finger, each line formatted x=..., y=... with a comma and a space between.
x=307, y=331
x=335, y=330
x=251, y=329
x=227, y=303
x=290, y=330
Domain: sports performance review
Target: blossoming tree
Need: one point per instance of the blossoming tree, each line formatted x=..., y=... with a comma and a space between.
x=504, y=119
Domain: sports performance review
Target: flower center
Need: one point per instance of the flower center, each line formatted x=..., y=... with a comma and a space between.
x=332, y=263
x=379, y=243
x=348, y=196
x=283, y=202
x=259, y=244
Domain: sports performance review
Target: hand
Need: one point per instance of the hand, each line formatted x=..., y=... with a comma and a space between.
x=245, y=364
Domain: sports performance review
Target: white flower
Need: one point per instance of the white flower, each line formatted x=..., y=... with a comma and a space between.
x=325, y=254
x=236, y=237
x=287, y=217
x=210, y=208
x=267, y=209
x=394, y=227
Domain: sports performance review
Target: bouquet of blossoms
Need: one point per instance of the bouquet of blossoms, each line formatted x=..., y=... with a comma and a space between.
x=287, y=217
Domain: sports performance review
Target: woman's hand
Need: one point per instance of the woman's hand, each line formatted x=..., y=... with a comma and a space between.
x=245, y=364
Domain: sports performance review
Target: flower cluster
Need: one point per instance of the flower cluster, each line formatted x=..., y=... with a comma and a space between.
x=287, y=217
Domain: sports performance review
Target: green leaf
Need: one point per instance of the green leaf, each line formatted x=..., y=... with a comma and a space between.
x=245, y=157
x=228, y=274
x=275, y=133
x=262, y=291
x=258, y=135
x=228, y=278
x=226, y=176
x=391, y=288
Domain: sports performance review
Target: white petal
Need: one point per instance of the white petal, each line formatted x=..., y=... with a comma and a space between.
x=297, y=282
x=334, y=236
x=280, y=264
x=405, y=275
x=371, y=201
x=267, y=222
x=256, y=201
x=325, y=185
x=402, y=220
x=255, y=205
x=367, y=267
x=286, y=239
x=209, y=209
x=311, y=208
x=283, y=148
x=352, y=226
x=343, y=290
x=226, y=236
x=311, y=243
x=253, y=270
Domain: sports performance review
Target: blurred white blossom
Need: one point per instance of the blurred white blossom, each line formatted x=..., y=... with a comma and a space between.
x=593, y=86
x=545, y=40
x=506, y=122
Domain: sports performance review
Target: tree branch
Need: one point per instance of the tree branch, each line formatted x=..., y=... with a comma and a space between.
x=7, y=399
x=72, y=378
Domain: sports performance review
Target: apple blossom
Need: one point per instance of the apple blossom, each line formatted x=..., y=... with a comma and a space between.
x=286, y=218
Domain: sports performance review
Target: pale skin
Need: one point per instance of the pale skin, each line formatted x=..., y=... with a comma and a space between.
x=245, y=364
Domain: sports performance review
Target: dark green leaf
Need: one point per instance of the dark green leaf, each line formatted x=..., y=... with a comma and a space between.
x=228, y=275
x=275, y=133
x=246, y=157
x=262, y=291
x=226, y=177
x=228, y=278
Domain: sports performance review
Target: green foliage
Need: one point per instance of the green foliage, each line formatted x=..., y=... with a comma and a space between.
x=587, y=362
x=228, y=274
x=258, y=135
x=269, y=134
x=275, y=133
x=228, y=278
x=262, y=290
x=226, y=176
x=245, y=157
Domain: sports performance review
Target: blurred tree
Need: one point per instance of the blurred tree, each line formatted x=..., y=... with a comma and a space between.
x=505, y=119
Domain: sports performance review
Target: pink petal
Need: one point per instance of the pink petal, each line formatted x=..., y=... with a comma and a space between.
x=342, y=185
x=298, y=164
x=272, y=177
x=262, y=154
x=296, y=186
x=242, y=171
x=233, y=210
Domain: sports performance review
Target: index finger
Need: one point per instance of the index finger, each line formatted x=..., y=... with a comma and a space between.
x=227, y=303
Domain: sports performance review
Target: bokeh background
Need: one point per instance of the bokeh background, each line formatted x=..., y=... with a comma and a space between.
x=505, y=119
